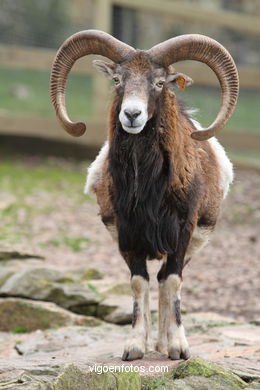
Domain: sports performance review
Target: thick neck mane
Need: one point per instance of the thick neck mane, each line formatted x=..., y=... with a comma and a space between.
x=149, y=216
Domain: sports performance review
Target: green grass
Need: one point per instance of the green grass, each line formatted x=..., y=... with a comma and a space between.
x=19, y=329
x=246, y=116
x=79, y=99
x=25, y=187
x=25, y=178
x=76, y=244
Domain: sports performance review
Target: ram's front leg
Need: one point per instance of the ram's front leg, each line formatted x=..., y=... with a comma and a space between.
x=171, y=336
x=178, y=347
x=138, y=338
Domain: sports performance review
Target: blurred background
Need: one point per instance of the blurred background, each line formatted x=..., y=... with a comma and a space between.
x=42, y=169
x=31, y=32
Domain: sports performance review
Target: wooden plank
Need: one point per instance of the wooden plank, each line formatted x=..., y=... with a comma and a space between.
x=103, y=21
x=41, y=59
x=19, y=57
x=103, y=15
x=97, y=130
x=51, y=129
x=249, y=76
x=245, y=140
x=233, y=20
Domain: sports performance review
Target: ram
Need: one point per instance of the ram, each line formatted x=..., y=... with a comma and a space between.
x=160, y=178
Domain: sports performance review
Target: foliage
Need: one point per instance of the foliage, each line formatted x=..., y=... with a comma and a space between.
x=34, y=23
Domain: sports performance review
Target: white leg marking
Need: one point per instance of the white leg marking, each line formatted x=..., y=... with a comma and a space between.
x=199, y=239
x=149, y=346
x=178, y=347
x=162, y=343
x=136, y=343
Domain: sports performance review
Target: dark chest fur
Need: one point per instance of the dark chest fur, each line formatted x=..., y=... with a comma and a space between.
x=149, y=215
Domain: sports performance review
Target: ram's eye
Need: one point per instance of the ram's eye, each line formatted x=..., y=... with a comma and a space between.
x=160, y=84
x=116, y=80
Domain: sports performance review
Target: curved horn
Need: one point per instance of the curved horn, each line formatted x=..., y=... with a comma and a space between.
x=75, y=47
x=204, y=49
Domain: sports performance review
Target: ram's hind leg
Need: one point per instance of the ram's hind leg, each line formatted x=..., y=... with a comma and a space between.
x=171, y=330
x=171, y=334
x=163, y=315
x=136, y=343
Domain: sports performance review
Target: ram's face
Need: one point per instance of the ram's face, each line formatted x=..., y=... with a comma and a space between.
x=139, y=84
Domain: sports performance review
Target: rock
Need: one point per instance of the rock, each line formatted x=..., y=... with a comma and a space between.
x=73, y=343
x=71, y=377
x=92, y=274
x=11, y=255
x=253, y=386
x=5, y=274
x=44, y=284
x=218, y=377
x=81, y=275
x=74, y=378
x=119, y=289
x=19, y=315
x=116, y=309
x=33, y=283
x=202, y=322
x=74, y=297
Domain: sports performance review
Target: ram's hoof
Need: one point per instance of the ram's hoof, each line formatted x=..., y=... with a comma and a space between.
x=132, y=354
x=177, y=354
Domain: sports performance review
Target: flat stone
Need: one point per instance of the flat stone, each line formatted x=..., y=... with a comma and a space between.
x=198, y=367
x=48, y=285
x=201, y=322
x=19, y=316
x=104, y=345
x=116, y=309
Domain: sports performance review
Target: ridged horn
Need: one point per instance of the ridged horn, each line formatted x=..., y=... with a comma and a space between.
x=204, y=49
x=75, y=47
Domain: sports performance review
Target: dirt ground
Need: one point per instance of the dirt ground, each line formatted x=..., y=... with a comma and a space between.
x=65, y=228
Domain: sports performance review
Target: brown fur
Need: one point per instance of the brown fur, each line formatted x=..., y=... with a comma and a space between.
x=191, y=158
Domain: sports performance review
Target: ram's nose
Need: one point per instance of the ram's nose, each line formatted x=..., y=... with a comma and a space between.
x=132, y=114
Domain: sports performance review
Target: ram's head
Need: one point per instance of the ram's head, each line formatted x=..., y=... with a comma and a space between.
x=140, y=76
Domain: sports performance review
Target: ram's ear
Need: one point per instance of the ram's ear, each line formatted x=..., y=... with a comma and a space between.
x=180, y=79
x=106, y=68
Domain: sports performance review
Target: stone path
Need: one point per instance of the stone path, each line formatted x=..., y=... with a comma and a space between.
x=234, y=346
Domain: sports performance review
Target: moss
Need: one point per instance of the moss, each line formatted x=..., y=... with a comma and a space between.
x=119, y=289
x=128, y=381
x=89, y=321
x=253, y=386
x=155, y=383
x=198, y=367
x=85, y=309
x=104, y=310
x=92, y=274
x=74, y=378
x=18, y=316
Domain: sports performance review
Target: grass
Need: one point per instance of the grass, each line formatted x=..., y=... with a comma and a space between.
x=25, y=187
x=246, y=116
x=37, y=102
x=19, y=330
x=80, y=91
x=76, y=244
x=27, y=177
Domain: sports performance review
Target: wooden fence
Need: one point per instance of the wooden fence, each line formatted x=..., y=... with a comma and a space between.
x=41, y=59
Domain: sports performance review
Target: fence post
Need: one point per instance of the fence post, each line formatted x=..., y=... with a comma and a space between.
x=103, y=21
